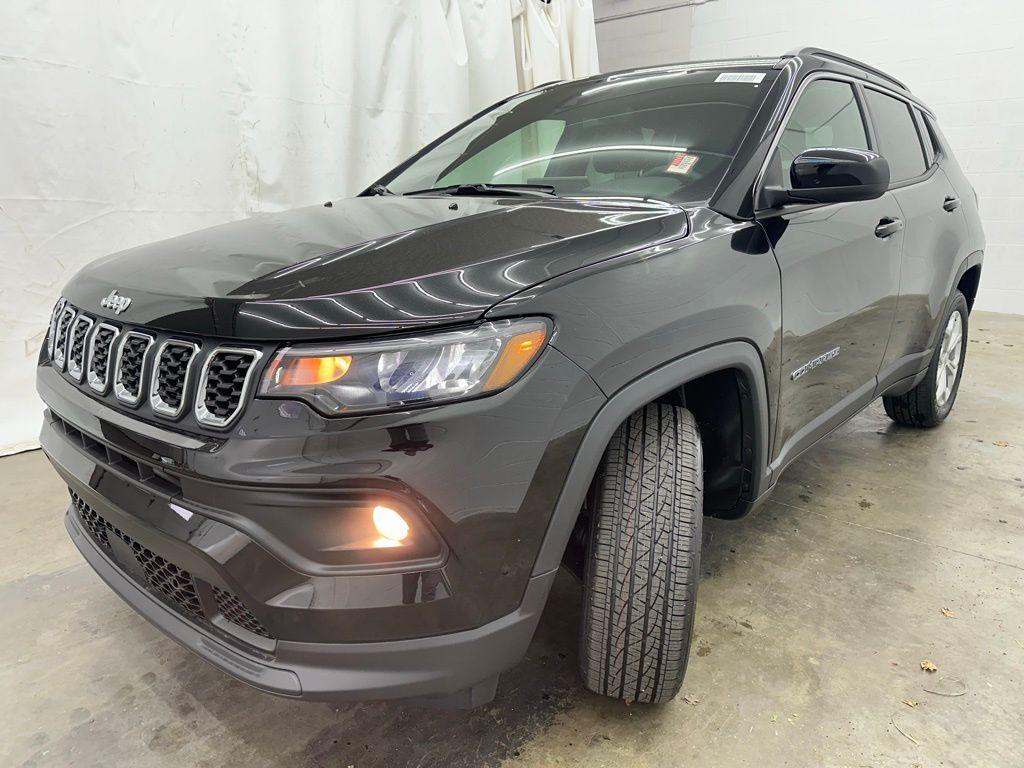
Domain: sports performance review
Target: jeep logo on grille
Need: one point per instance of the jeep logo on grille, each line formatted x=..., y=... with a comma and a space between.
x=116, y=302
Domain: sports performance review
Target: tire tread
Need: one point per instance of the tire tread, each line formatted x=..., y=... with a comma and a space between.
x=644, y=557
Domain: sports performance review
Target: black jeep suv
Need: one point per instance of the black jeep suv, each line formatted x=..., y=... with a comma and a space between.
x=340, y=452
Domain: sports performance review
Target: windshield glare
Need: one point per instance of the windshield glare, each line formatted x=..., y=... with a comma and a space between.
x=663, y=134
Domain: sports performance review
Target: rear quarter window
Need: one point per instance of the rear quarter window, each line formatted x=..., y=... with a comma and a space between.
x=898, y=139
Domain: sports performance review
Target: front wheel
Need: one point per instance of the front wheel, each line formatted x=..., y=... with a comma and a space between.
x=643, y=561
x=927, y=404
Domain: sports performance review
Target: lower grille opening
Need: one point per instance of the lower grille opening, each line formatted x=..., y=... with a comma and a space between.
x=155, y=477
x=234, y=611
x=176, y=585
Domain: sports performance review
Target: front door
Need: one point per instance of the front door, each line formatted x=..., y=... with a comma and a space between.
x=840, y=279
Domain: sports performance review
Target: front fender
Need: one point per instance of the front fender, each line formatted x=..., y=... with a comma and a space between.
x=739, y=355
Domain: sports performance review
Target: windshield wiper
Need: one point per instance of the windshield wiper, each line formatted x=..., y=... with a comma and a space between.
x=378, y=189
x=491, y=190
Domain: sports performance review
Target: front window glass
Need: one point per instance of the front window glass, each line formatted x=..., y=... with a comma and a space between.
x=826, y=115
x=666, y=134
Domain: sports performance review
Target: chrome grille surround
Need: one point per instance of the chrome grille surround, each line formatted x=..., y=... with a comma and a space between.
x=121, y=391
x=159, y=379
x=78, y=341
x=101, y=354
x=153, y=371
x=203, y=412
x=60, y=345
x=58, y=308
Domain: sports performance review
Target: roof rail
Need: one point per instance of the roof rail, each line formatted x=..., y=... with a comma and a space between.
x=823, y=54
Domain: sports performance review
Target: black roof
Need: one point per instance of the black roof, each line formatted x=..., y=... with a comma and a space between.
x=827, y=57
x=817, y=58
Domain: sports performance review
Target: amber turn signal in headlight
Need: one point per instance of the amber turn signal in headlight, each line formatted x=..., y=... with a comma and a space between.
x=311, y=371
x=397, y=373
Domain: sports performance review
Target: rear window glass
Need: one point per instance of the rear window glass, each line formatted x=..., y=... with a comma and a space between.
x=898, y=139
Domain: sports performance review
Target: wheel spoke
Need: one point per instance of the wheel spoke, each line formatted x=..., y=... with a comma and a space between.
x=954, y=353
x=949, y=358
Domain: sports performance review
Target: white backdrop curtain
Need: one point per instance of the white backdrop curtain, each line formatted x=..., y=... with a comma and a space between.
x=123, y=123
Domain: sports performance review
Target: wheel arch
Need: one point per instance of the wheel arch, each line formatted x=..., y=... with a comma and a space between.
x=967, y=283
x=741, y=356
x=967, y=275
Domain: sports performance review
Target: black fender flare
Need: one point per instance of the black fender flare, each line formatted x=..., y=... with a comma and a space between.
x=741, y=355
x=974, y=259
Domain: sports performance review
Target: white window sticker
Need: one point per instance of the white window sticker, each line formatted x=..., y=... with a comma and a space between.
x=740, y=77
x=682, y=163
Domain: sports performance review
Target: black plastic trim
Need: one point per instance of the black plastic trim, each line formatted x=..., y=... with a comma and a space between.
x=734, y=354
x=440, y=665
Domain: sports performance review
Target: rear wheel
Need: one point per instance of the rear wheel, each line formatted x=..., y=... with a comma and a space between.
x=927, y=404
x=643, y=560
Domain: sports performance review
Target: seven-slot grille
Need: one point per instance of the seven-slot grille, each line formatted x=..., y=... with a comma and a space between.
x=173, y=364
x=131, y=366
x=225, y=382
x=55, y=316
x=60, y=346
x=102, y=354
x=76, y=352
x=98, y=368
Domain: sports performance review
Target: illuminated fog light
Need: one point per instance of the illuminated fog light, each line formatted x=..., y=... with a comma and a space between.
x=390, y=525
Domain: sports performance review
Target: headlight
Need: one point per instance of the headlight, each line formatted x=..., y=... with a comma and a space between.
x=412, y=371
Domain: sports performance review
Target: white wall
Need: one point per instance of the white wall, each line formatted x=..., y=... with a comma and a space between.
x=122, y=123
x=638, y=33
x=964, y=59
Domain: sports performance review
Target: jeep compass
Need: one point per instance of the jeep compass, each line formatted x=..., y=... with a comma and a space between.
x=340, y=452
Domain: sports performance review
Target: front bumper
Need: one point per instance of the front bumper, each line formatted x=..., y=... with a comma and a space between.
x=458, y=668
x=225, y=512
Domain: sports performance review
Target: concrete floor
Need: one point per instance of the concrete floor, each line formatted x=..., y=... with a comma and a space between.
x=814, y=615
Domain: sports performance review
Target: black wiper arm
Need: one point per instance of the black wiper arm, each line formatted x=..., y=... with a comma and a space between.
x=378, y=189
x=491, y=190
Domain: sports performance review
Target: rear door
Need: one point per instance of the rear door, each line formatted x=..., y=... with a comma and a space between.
x=839, y=277
x=935, y=231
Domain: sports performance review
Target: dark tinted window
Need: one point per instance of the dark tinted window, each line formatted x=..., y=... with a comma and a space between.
x=826, y=115
x=897, y=135
x=922, y=129
x=932, y=131
x=660, y=133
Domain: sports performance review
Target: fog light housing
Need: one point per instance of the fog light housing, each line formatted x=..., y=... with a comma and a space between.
x=374, y=529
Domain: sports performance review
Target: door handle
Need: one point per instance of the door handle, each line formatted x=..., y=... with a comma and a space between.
x=887, y=227
x=951, y=204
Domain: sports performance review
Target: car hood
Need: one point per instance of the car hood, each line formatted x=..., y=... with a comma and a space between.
x=365, y=265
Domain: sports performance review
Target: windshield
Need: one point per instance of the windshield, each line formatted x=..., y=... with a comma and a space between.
x=666, y=133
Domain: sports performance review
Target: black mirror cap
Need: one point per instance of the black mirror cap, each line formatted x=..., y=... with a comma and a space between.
x=832, y=175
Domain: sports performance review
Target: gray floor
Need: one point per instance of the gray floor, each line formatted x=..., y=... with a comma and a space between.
x=814, y=616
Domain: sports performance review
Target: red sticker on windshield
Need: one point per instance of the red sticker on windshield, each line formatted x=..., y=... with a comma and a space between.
x=682, y=163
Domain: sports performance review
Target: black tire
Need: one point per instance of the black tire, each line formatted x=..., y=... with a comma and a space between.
x=643, y=561
x=920, y=407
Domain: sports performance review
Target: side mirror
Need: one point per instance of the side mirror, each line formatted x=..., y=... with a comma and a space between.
x=831, y=175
